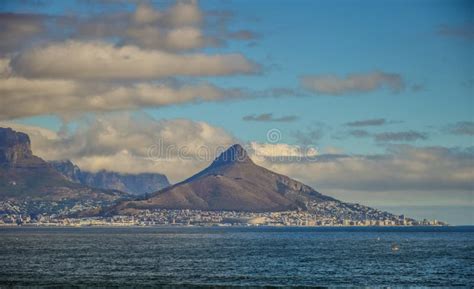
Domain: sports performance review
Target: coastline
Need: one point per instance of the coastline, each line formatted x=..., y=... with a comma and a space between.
x=168, y=226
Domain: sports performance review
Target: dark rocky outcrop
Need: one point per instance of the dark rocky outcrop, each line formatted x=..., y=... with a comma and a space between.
x=15, y=150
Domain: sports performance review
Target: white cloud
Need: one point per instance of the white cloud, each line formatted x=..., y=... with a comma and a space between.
x=184, y=14
x=175, y=29
x=353, y=83
x=401, y=168
x=281, y=150
x=5, y=69
x=151, y=37
x=104, y=61
x=185, y=38
x=69, y=98
x=145, y=14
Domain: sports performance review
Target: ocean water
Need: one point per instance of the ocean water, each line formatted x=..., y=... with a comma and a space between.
x=217, y=256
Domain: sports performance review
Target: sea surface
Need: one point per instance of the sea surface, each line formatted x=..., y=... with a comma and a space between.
x=230, y=256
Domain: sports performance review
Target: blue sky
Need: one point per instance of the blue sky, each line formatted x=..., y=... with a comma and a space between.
x=419, y=53
x=317, y=37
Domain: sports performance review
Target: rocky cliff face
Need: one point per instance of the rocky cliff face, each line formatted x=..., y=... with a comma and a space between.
x=15, y=149
x=137, y=184
x=68, y=169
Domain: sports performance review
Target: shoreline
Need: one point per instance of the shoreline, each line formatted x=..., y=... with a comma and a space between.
x=220, y=226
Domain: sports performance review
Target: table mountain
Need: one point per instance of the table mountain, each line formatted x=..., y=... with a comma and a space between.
x=136, y=184
x=25, y=177
x=232, y=182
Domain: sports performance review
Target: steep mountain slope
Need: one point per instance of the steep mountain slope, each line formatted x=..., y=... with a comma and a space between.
x=136, y=184
x=231, y=182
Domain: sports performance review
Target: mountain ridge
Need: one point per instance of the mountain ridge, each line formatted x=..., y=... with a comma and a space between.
x=135, y=184
x=232, y=182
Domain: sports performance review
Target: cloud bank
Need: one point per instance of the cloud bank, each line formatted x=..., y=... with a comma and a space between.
x=112, y=61
x=403, y=168
x=104, y=61
x=70, y=98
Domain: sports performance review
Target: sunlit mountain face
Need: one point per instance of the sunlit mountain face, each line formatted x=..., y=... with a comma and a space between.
x=369, y=103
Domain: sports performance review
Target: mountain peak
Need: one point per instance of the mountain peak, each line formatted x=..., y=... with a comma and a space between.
x=234, y=154
x=231, y=183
